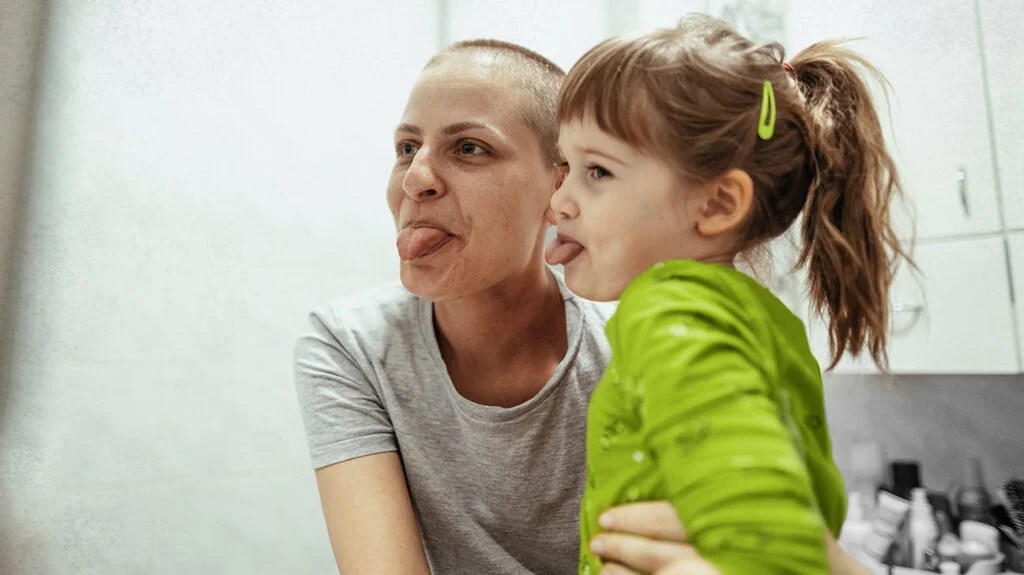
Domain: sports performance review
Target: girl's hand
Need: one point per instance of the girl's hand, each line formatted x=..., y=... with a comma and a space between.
x=647, y=537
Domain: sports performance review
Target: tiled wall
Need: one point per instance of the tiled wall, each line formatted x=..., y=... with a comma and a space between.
x=936, y=420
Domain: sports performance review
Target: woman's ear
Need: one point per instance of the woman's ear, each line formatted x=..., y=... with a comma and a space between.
x=560, y=170
x=549, y=215
x=727, y=203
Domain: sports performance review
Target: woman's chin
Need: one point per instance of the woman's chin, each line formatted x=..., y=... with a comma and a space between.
x=426, y=283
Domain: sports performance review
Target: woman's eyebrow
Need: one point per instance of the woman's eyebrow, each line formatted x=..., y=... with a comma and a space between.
x=459, y=127
x=408, y=128
x=451, y=129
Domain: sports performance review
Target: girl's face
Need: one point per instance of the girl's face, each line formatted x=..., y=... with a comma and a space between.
x=619, y=211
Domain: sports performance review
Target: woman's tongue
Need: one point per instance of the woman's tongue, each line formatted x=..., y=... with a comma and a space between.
x=415, y=242
x=561, y=251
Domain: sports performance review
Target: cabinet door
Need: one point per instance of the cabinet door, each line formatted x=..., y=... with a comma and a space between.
x=1003, y=46
x=955, y=317
x=1016, y=247
x=928, y=50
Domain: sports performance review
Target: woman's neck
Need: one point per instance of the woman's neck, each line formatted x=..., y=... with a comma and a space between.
x=523, y=315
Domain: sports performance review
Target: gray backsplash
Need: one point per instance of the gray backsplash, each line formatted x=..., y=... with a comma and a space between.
x=938, y=420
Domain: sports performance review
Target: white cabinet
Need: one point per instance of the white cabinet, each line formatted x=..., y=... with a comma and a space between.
x=1003, y=46
x=956, y=317
x=928, y=50
x=1016, y=246
x=957, y=314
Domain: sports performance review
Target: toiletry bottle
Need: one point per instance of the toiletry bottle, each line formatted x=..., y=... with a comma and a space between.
x=905, y=476
x=972, y=500
x=886, y=524
x=855, y=531
x=867, y=472
x=948, y=546
x=941, y=506
x=972, y=552
x=923, y=530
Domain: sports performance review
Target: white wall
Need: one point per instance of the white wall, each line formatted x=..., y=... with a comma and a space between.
x=559, y=30
x=20, y=45
x=204, y=173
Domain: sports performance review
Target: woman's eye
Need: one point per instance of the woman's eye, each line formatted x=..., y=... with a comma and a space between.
x=471, y=149
x=406, y=149
x=597, y=172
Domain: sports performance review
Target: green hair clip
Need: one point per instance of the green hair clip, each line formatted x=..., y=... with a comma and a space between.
x=766, y=124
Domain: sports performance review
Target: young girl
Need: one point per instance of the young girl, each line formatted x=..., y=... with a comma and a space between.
x=684, y=149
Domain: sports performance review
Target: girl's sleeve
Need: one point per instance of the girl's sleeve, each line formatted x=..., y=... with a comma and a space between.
x=718, y=432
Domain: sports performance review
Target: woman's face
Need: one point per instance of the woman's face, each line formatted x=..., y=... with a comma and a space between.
x=470, y=184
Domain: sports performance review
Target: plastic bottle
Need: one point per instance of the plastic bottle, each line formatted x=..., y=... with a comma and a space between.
x=973, y=501
x=923, y=529
x=853, y=537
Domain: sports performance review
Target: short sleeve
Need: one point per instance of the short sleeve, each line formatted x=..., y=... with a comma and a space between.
x=343, y=412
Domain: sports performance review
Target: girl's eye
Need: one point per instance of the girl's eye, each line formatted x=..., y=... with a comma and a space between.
x=597, y=172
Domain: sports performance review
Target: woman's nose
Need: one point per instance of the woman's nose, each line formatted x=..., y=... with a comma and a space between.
x=421, y=182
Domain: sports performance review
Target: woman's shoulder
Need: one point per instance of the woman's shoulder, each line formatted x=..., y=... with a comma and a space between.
x=370, y=311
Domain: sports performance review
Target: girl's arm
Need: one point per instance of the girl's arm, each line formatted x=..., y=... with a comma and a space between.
x=717, y=429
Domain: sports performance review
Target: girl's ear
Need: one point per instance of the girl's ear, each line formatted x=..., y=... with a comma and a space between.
x=726, y=204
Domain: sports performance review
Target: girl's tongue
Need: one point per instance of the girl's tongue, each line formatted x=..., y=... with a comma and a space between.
x=562, y=251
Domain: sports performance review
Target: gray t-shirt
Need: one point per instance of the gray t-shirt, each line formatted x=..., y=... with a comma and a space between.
x=496, y=490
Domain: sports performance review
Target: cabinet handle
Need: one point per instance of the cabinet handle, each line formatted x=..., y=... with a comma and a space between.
x=900, y=307
x=914, y=310
x=961, y=178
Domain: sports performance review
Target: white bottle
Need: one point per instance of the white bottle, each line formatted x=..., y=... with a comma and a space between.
x=949, y=547
x=923, y=529
x=853, y=537
x=949, y=568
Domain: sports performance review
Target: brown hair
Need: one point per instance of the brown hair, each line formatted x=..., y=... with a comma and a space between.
x=538, y=78
x=691, y=95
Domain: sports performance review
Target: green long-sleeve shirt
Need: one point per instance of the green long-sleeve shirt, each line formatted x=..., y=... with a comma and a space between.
x=713, y=401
